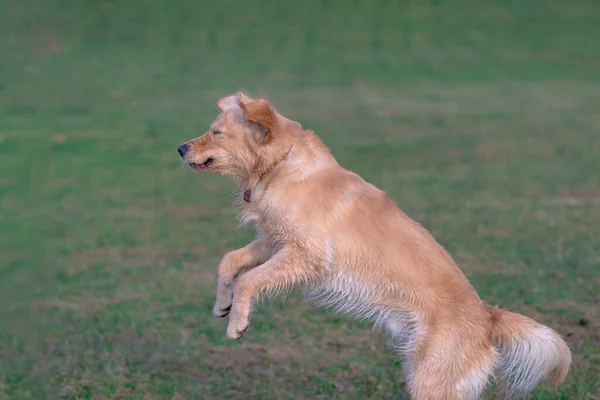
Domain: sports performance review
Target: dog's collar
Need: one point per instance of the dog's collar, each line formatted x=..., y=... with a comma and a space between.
x=248, y=192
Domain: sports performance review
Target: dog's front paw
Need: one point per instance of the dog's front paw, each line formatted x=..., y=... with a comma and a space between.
x=237, y=326
x=220, y=311
x=224, y=298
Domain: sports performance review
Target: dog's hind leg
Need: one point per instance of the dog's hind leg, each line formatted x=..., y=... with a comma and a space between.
x=452, y=367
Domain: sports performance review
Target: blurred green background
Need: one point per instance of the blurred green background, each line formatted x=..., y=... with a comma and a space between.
x=481, y=119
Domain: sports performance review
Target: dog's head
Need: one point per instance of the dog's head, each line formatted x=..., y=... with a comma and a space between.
x=240, y=139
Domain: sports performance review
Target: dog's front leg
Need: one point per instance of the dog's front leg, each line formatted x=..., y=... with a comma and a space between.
x=231, y=264
x=287, y=268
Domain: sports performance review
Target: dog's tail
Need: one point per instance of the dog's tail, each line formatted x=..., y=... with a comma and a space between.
x=528, y=353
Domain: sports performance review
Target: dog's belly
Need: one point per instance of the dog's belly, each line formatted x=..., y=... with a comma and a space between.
x=343, y=293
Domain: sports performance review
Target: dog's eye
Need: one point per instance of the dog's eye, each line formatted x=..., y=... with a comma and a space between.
x=217, y=131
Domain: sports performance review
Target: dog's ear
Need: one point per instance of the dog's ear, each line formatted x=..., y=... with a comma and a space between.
x=229, y=102
x=259, y=112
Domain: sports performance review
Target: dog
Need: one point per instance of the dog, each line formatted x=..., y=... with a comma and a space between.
x=348, y=246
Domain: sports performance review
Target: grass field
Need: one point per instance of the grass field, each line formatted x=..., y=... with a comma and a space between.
x=480, y=119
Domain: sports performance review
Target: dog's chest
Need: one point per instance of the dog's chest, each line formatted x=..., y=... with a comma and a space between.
x=271, y=217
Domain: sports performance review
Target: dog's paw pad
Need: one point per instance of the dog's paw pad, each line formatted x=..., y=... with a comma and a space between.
x=237, y=333
x=221, y=312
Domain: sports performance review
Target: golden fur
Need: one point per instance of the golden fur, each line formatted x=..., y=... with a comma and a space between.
x=323, y=228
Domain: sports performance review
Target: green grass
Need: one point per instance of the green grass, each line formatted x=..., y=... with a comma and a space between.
x=481, y=119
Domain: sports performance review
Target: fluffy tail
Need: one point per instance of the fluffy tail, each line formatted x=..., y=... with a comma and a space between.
x=528, y=353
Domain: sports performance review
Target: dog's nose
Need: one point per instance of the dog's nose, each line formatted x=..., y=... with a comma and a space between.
x=183, y=149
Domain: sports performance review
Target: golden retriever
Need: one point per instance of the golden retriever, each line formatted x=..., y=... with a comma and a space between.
x=323, y=228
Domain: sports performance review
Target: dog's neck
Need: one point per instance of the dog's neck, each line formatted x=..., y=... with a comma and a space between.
x=258, y=174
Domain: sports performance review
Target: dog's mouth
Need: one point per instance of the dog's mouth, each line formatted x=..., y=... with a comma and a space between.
x=203, y=166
